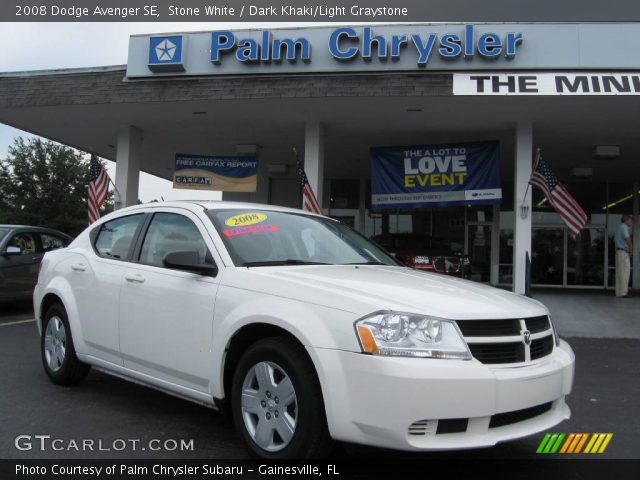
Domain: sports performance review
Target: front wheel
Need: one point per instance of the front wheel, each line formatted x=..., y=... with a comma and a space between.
x=277, y=402
x=58, y=354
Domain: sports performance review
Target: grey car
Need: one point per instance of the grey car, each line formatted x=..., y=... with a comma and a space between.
x=21, y=251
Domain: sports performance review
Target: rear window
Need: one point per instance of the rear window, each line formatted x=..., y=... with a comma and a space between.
x=115, y=237
x=3, y=232
x=412, y=241
x=52, y=242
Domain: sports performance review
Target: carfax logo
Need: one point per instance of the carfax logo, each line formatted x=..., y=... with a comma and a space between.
x=166, y=53
x=574, y=443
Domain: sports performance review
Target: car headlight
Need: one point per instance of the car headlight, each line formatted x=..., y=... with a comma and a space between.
x=409, y=335
x=556, y=338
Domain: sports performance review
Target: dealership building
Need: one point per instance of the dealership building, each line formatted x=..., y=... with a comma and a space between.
x=339, y=95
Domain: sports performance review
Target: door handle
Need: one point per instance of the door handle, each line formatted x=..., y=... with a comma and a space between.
x=78, y=267
x=134, y=277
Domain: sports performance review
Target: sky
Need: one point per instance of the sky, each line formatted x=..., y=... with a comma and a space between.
x=39, y=46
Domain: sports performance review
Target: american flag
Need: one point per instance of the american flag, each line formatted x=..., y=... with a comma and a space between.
x=559, y=197
x=309, y=201
x=98, y=188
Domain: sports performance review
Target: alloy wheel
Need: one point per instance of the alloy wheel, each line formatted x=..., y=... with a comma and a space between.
x=269, y=406
x=55, y=343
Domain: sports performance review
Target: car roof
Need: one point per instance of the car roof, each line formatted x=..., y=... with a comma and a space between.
x=215, y=205
x=34, y=228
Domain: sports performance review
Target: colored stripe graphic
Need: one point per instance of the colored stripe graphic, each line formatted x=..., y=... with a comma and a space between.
x=567, y=442
x=556, y=445
x=573, y=443
x=598, y=443
x=543, y=443
x=582, y=441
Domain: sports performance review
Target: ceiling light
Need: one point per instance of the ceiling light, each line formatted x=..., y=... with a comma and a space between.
x=606, y=152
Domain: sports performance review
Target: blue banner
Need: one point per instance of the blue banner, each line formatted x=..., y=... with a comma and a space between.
x=227, y=174
x=421, y=176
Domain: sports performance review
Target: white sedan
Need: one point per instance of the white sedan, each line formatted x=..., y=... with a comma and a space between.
x=305, y=330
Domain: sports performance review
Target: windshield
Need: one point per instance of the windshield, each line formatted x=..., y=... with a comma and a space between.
x=3, y=232
x=264, y=238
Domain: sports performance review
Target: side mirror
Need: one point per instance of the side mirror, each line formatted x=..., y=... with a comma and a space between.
x=188, y=260
x=13, y=251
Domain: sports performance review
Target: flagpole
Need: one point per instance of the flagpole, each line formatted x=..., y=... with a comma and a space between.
x=535, y=165
x=298, y=166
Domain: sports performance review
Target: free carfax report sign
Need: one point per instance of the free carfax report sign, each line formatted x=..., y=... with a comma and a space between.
x=431, y=175
x=227, y=174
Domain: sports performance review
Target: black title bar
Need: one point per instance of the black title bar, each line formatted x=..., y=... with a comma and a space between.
x=368, y=11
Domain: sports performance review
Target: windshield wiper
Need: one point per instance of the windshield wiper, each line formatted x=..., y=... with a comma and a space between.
x=275, y=263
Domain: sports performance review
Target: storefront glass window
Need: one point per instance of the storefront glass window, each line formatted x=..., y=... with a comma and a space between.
x=585, y=258
x=505, y=268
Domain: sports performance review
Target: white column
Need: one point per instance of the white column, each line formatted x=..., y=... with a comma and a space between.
x=128, y=159
x=522, y=226
x=314, y=157
x=362, y=206
x=494, y=276
x=635, y=258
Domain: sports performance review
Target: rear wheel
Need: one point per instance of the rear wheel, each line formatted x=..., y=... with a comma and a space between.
x=58, y=354
x=277, y=402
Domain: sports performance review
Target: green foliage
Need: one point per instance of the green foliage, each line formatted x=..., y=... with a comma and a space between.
x=43, y=183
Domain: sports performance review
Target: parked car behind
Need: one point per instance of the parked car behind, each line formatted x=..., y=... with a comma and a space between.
x=21, y=251
x=424, y=252
x=301, y=327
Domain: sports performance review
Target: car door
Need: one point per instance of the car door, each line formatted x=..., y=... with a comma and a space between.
x=166, y=315
x=95, y=278
x=22, y=255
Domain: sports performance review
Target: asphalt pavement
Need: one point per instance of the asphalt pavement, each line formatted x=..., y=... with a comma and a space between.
x=114, y=413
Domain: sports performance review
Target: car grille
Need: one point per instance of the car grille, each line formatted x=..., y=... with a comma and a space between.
x=508, y=418
x=541, y=347
x=489, y=328
x=447, y=264
x=498, y=352
x=508, y=341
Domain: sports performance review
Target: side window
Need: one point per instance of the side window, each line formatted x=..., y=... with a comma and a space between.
x=115, y=237
x=52, y=242
x=25, y=241
x=171, y=232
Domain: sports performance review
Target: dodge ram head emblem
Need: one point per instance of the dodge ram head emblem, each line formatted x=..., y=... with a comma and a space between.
x=526, y=336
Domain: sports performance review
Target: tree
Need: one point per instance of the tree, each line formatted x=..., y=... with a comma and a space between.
x=44, y=183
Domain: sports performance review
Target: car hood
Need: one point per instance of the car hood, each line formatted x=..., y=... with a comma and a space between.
x=364, y=289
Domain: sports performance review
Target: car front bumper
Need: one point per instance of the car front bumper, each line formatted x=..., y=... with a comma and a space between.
x=375, y=400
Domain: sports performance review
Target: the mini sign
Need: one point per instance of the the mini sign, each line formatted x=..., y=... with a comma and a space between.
x=584, y=83
x=226, y=174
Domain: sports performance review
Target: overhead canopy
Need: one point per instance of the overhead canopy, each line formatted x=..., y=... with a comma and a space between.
x=87, y=108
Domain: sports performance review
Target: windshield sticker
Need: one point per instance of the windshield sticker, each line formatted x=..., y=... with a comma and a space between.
x=233, y=232
x=243, y=219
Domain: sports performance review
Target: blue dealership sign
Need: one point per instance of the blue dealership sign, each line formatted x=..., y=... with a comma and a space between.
x=227, y=174
x=436, y=175
x=166, y=53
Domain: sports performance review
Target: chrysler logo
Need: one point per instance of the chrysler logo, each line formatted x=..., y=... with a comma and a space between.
x=526, y=337
x=165, y=50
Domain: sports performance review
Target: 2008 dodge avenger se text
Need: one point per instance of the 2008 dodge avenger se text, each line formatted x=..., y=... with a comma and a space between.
x=306, y=330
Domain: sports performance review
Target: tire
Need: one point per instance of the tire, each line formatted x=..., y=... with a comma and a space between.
x=56, y=346
x=257, y=409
